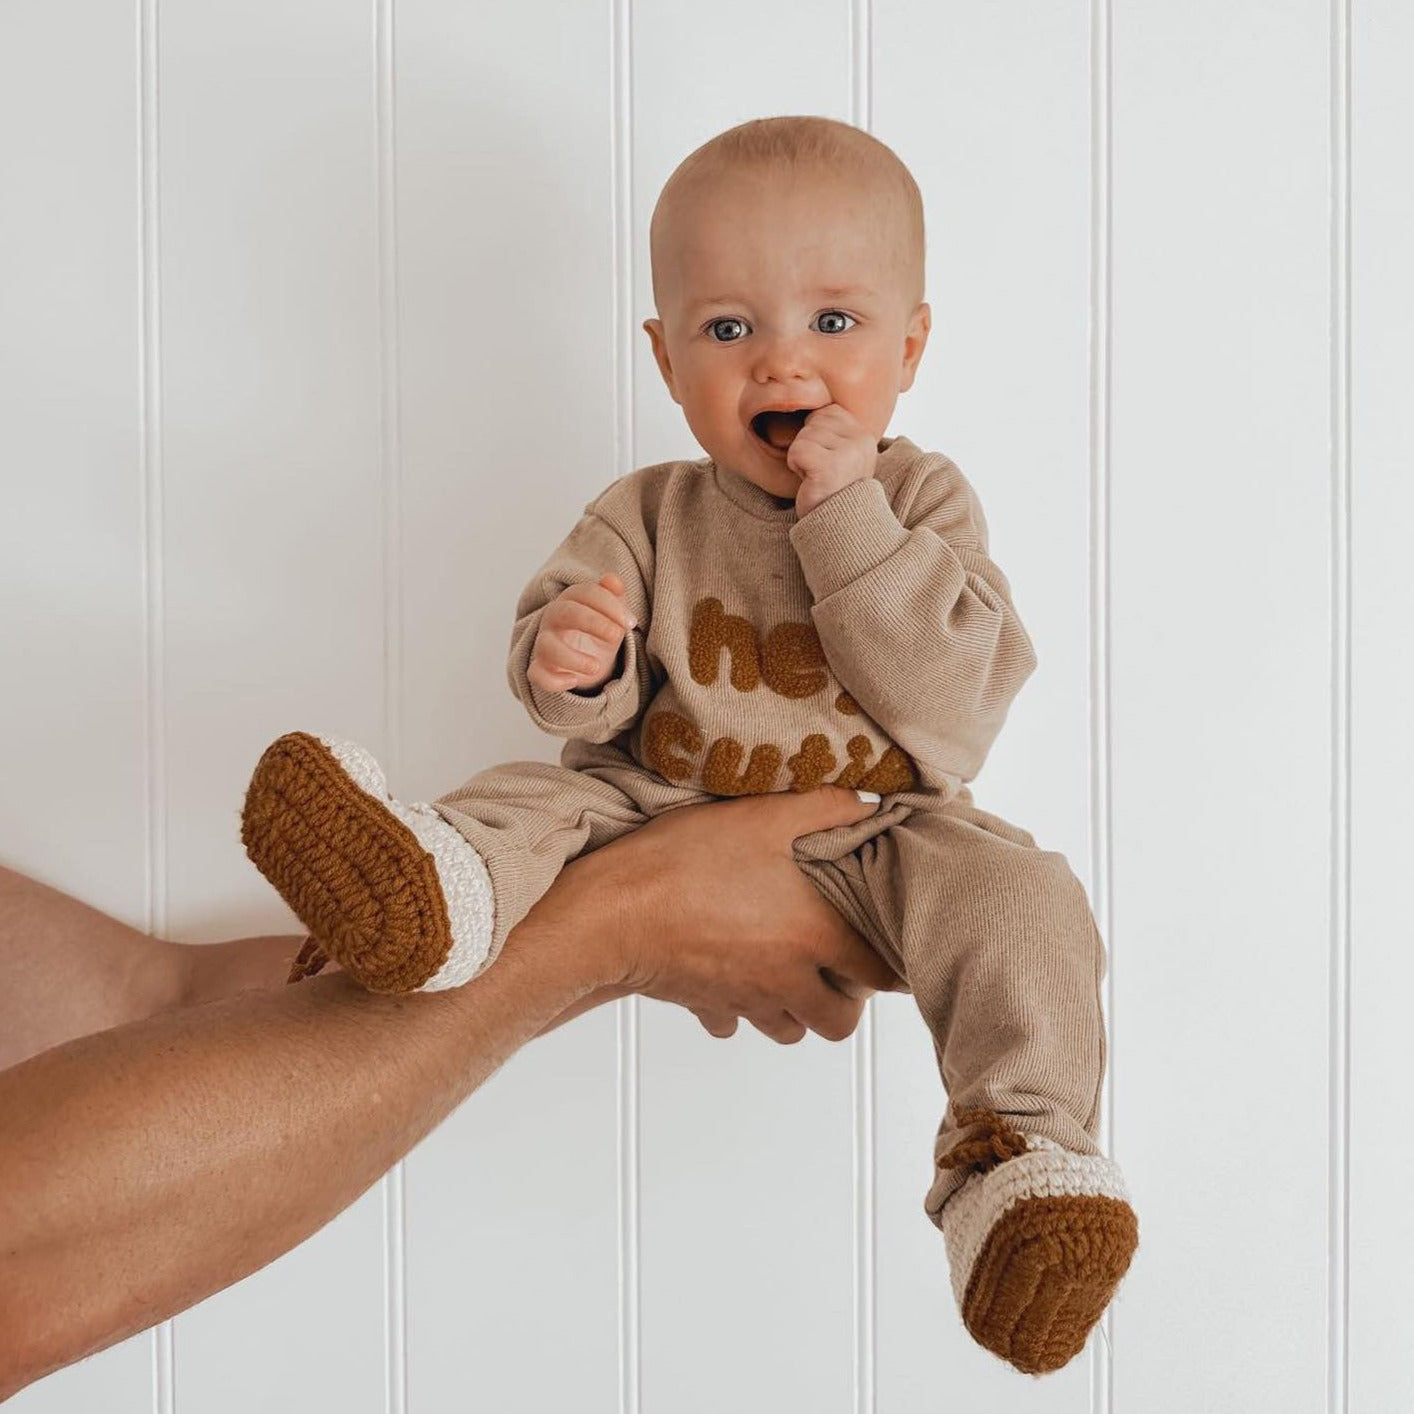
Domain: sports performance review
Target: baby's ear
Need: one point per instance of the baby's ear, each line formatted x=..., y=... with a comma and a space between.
x=915, y=340
x=658, y=339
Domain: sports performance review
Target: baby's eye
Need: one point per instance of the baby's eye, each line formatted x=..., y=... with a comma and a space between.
x=717, y=324
x=835, y=314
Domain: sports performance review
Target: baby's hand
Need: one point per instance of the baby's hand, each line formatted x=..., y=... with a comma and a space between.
x=833, y=449
x=579, y=636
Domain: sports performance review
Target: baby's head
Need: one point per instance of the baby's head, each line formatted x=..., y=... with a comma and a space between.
x=787, y=273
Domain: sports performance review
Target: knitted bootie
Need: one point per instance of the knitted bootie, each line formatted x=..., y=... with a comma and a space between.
x=1038, y=1239
x=392, y=892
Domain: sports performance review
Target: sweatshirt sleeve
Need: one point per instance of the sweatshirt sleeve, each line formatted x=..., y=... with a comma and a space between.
x=915, y=619
x=601, y=542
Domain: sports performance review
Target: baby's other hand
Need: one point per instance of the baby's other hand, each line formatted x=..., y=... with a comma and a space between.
x=579, y=636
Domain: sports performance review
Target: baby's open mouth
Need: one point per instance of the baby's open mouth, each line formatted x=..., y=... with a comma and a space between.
x=778, y=429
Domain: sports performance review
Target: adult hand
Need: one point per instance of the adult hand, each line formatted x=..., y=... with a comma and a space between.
x=705, y=906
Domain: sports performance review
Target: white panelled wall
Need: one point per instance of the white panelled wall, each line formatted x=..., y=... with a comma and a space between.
x=320, y=323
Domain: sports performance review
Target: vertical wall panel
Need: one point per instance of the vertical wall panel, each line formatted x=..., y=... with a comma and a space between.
x=989, y=105
x=747, y=1156
x=274, y=583
x=72, y=678
x=1222, y=721
x=1382, y=683
x=71, y=530
x=505, y=250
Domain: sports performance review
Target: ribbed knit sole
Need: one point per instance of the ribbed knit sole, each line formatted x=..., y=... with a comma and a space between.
x=1037, y=1242
x=358, y=876
x=1044, y=1276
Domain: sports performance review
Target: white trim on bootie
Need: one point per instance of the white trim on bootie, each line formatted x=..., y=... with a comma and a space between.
x=1046, y=1170
x=462, y=873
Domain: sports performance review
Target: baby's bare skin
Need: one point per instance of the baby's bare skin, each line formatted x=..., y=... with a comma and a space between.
x=224, y=1117
x=579, y=636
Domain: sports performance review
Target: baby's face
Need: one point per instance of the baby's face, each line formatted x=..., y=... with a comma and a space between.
x=782, y=293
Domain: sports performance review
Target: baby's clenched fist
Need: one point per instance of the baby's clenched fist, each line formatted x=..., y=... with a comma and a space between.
x=579, y=636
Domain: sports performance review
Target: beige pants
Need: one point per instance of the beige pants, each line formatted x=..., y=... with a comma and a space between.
x=993, y=936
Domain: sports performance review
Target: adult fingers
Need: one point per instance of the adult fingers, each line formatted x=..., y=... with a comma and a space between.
x=779, y=1026
x=827, y=1012
x=798, y=813
x=853, y=964
x=855, y=990
x=717, y=1023
x=844, y=962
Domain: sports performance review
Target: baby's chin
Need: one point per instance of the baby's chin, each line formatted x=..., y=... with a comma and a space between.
x=780, y=495
x=782, y=487
x=777, y=499
x=773, y=477
x=783, y=492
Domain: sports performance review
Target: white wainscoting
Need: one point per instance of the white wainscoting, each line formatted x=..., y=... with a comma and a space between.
x=319, y=324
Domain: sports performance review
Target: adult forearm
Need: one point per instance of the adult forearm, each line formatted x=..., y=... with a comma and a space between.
x=68, y=969
x=143, y=1168
x=146, y=1167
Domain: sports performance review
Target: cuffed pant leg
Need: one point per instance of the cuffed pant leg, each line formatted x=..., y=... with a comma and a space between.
x=527, y=819
x=997, y=942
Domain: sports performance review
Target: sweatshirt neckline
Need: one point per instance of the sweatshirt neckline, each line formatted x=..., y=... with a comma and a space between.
x=763, y=506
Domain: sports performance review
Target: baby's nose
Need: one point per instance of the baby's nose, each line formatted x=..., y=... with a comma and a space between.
x=782, y=357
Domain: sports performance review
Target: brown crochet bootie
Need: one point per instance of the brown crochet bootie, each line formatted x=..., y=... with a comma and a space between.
x=1038, y=1239
x=392, y=892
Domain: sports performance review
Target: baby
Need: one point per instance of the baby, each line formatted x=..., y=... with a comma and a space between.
x=812, y=602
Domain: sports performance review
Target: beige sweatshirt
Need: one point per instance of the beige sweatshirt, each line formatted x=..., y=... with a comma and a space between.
x=871, y=643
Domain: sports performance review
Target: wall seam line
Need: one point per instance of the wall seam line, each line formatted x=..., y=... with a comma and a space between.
x=863, y=1051
x=390, y=479
x=628, y=1101
x=1338, y=1209
x=156, y=901
x=1102, y=1372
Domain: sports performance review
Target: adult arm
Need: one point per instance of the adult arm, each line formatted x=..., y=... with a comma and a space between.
x=148, y=1166
x=68, y=970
